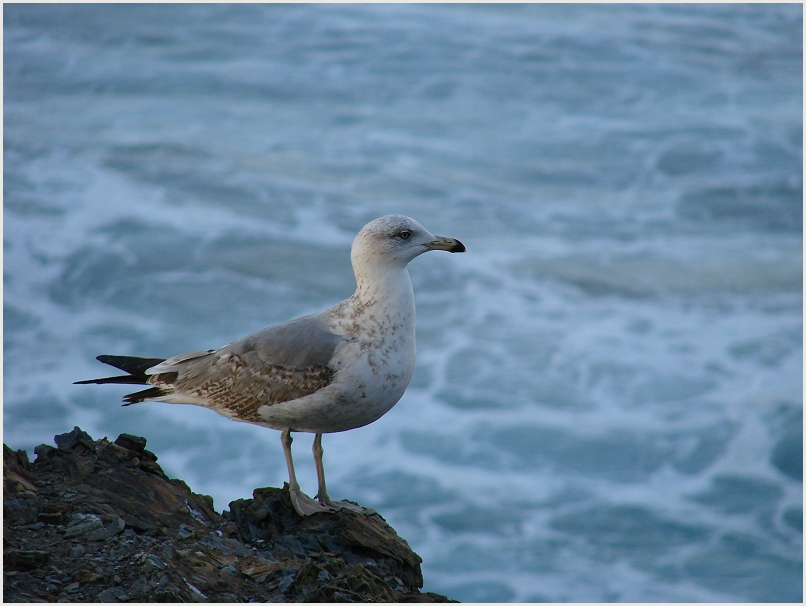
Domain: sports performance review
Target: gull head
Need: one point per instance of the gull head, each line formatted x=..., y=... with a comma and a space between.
x=396, y=240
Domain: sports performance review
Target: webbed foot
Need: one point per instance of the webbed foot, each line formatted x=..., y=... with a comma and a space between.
x=305, y=505
x=338, y=505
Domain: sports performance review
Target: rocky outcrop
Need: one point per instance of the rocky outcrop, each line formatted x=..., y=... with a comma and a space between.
x=99, y=521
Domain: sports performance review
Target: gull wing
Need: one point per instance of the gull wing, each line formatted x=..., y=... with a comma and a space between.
x=277, y=364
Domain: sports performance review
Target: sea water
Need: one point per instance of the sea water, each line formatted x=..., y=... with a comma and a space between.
x=607, y=404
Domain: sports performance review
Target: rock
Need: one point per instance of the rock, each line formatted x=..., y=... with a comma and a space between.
x=68, y=441
x=130, y=442
x=18, y=559
x=84, y=523
x=99, y=521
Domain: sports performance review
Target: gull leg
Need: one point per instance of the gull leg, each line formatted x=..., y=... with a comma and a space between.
x=322, y=495
x=303, y=504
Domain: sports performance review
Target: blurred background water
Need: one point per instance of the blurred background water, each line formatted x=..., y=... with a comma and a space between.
x=608, y=399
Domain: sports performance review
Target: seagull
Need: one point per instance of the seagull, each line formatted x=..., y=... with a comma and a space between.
x=328, y=372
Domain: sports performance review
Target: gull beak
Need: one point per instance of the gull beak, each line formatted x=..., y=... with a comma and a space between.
x=450, y=244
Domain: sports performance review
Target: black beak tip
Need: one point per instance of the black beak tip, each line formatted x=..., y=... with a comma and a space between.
x=458, y=247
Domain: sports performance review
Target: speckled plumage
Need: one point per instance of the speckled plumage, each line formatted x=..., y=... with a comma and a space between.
x=332, y=371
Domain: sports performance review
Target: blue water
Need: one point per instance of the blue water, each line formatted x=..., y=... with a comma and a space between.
x=608, y=399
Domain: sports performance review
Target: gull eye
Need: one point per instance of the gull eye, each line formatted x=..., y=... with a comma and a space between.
x=405, y=234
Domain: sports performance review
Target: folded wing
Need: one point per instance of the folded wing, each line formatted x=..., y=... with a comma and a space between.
x=277, y=364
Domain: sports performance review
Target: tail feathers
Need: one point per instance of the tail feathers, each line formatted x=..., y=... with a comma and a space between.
x=146, y=394
x=136, y=367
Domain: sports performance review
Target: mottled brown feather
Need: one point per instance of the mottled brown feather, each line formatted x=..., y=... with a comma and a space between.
x=239, y=387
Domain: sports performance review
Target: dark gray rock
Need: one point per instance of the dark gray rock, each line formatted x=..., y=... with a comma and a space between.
x=130, y=442
x=98, y=521
x=68, y=441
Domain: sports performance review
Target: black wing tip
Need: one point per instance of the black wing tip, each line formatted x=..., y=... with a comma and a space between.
x=131, y=364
